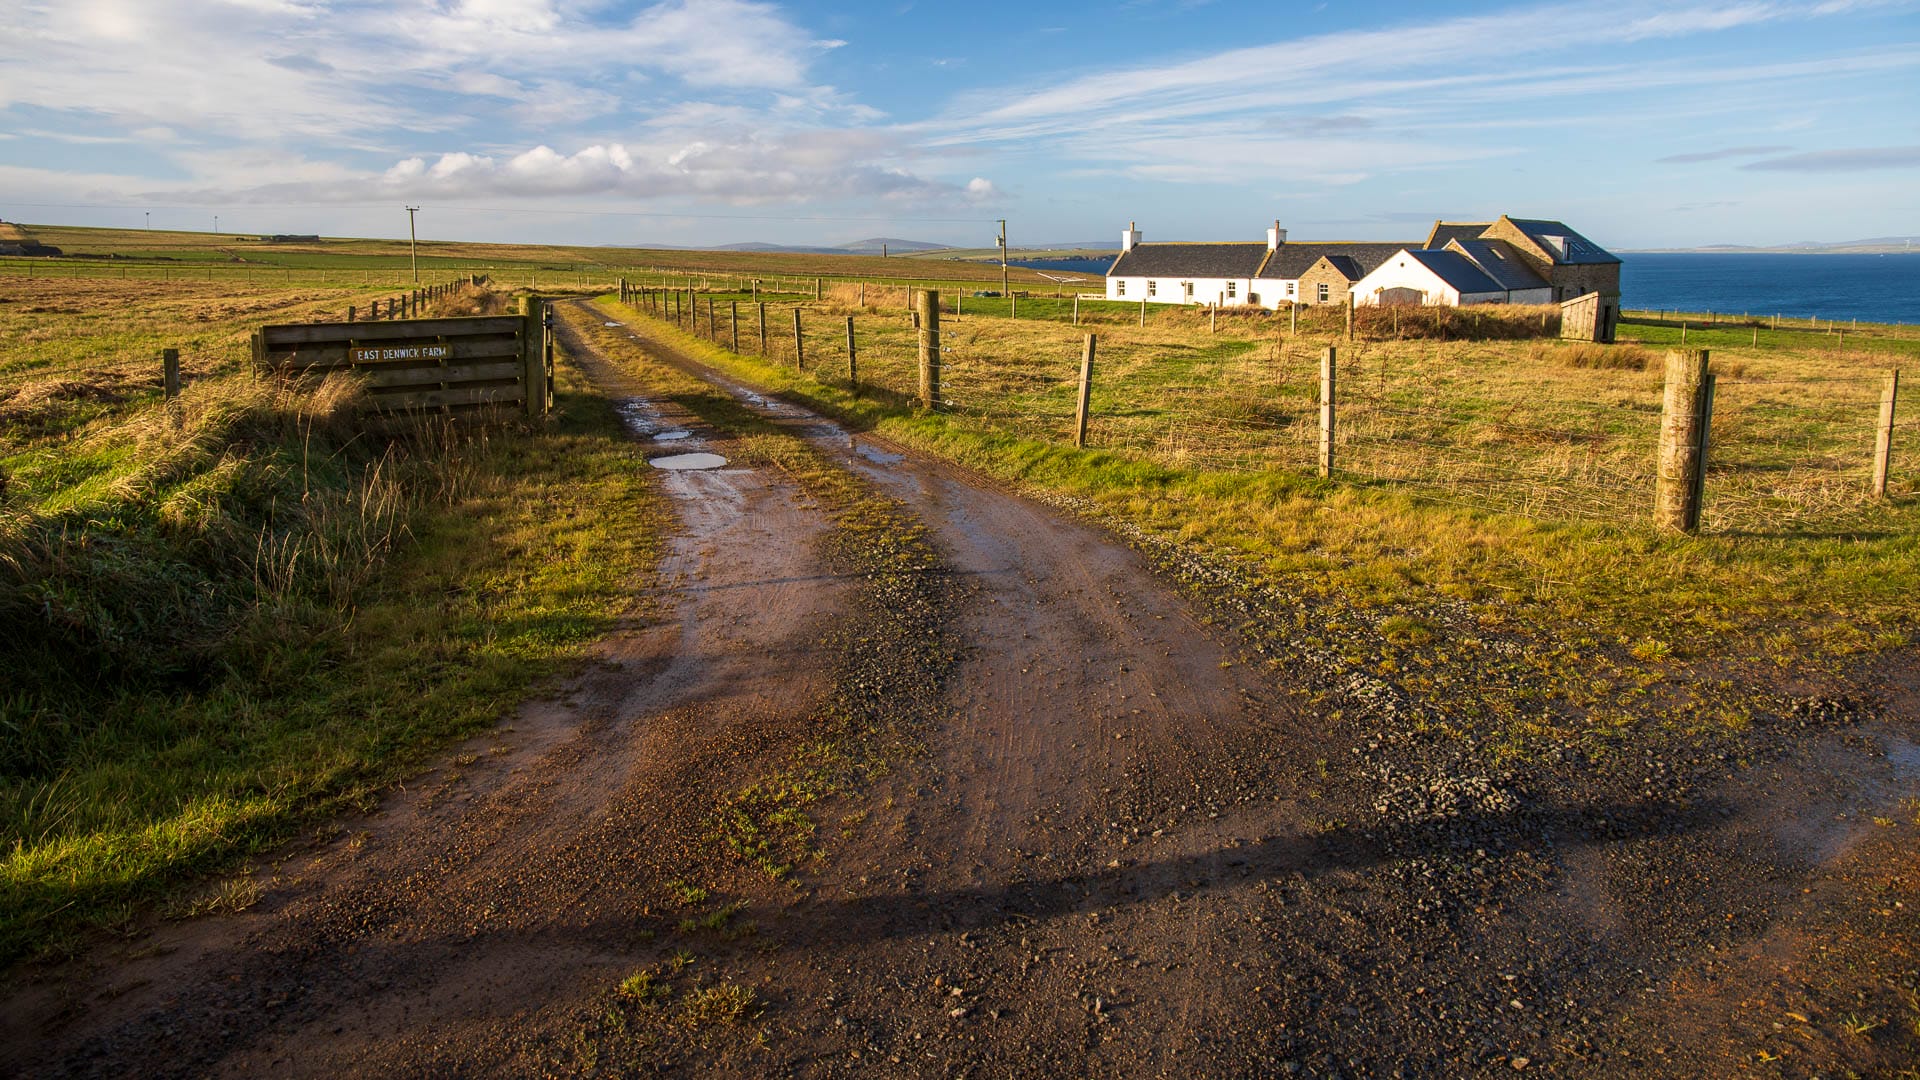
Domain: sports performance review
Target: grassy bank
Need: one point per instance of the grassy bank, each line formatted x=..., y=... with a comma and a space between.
x=230, y=619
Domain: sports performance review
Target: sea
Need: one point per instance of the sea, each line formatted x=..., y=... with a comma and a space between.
x=1871, y=288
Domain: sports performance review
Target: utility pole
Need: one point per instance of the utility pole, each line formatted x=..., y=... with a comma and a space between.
x=413, y=254
x=1003, y=258
x=149, y=215
x=216, y=224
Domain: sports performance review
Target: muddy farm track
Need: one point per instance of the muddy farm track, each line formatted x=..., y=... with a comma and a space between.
x=974, y=791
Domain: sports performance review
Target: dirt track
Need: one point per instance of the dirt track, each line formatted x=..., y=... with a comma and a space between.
x=1116, y=843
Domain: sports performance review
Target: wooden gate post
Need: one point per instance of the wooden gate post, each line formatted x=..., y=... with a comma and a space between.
x=1684, y=424
x=1086, y=394
x=1327, y=377
x=1883, y=438
x=853, y=359
x=929, y=312
x=799, y=343
x=532, y=357
x=763, y=323
x=170, y=373
x=546, y=368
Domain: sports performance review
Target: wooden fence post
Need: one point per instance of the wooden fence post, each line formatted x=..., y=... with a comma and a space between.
x=733, y=319
x=929, y=312
x=1883, y=439
x=350, y=312
x=1013, y=305
x=853, y=360
x=1327, y=376
x=763, y=322
x=1143, y=312
x=1293, y=318
x=799, y=343
x=1684, y=424
x=1076, y=311
x=1212, y=314
x=1086, y=394
x=170, y=373
x=1350, y=303
x=816, y=288
x=713, y=328
x=863, y=294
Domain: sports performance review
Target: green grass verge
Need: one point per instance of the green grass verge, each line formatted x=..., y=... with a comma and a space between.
x=201, y=709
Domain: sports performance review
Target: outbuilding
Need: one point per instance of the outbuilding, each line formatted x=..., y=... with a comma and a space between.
x=1420, y=276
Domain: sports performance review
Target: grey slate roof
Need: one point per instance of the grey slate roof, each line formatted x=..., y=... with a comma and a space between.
x=1356, y=260
x=1456, y=270
x=1189, y=261
x=1500, y=263
x=1445, y=232
x=1579, y=249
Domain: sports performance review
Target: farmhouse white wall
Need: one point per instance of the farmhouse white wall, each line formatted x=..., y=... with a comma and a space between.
x=1401, y=272
x=1173, y=290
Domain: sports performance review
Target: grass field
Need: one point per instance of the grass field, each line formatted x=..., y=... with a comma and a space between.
x=1504, y=420
x=134, y=254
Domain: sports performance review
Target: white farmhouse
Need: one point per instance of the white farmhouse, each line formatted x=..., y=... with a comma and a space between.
x=1218, y=274
x=1511, y=260
x=1271, y=275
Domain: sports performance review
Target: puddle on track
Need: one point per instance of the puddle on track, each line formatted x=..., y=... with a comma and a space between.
x=672, y=436
x=877, y=455
x=638, y=415
x=688, y=461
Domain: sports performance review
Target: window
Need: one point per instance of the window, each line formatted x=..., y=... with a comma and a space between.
x=1320, y=293
x=1153, y=287
x=1120, y=287
x=1233, y=289
x=1188, y=285
x=1290, y=287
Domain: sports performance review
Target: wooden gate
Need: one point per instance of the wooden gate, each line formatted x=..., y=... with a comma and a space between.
x=441, y=365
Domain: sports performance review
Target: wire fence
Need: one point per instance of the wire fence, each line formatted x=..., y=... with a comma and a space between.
x=1526, y=429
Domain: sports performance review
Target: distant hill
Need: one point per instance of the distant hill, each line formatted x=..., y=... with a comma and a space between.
x=1881, y=245
x=891, y=244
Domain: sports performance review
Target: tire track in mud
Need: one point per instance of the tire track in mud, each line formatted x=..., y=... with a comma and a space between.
x=1072, y=832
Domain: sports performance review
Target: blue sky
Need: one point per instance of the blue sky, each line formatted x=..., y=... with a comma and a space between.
x=1670, y=123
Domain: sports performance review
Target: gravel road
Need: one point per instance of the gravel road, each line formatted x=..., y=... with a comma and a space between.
x=1103, y=835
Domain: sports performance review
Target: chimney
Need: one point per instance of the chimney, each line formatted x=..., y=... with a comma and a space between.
x=1129, y=238
x=1275, y=237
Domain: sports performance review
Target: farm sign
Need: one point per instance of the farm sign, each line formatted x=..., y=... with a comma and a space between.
x=376, y=353
x=444, y=365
